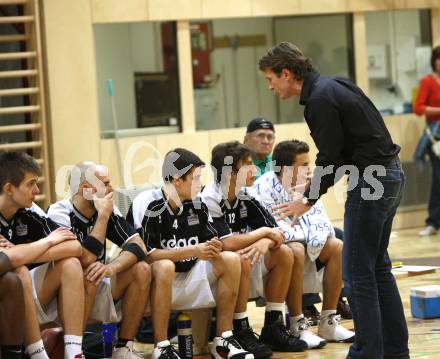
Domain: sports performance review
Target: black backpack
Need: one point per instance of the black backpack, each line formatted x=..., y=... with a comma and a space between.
x=92, y=342
x=145, y=333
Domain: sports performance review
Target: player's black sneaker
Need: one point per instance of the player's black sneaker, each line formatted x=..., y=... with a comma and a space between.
x=278, y=338
x=250, y=342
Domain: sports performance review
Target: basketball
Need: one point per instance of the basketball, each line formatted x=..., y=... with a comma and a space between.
x=53, y=340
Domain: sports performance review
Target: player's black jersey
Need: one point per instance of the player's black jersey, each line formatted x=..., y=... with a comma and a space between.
x=244, y=215
x=26, y=226
x=65, y=214
x=161, y=228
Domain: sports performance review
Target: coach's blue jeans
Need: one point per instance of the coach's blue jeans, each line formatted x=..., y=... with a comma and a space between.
x=434, y=199
x=380, y=325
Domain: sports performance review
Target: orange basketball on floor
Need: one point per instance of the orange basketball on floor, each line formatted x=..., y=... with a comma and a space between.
x=53, y=340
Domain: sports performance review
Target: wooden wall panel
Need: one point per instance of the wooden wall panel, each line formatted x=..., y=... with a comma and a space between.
x=113, y=11
x=275, y=7
x=226, y=8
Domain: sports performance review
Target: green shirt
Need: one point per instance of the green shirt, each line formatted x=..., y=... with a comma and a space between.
x=263, y=165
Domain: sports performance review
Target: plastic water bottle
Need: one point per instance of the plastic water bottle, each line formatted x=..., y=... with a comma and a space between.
x=108, y=332
x=184, y=333
x=287, y=318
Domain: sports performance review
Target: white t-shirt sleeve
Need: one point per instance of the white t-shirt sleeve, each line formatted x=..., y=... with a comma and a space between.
x=139, y=207
x=59, y=214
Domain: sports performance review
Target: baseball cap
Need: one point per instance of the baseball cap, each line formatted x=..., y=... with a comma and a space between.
x=258, y=123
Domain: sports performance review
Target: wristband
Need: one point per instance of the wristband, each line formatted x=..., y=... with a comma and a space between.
x=93, y=245
x=135, y=249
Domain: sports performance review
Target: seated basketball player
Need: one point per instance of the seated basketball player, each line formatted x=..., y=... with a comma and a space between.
x=53, y=291
x=11, y=310
x=266, y=262
x=11, y=291
x=189, y=266
x=93, y=217
x=317, y=252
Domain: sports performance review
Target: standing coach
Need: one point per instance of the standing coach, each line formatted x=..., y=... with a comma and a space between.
x=348, y=130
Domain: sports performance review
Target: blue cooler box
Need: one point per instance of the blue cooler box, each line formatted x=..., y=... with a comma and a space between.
x=425, y=301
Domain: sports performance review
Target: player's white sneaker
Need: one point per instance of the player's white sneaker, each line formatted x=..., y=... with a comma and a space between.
x=164, y=350
x=227, y=346
x=332, y=331
x=126, y=352
x=427, y=231
x=302, y=329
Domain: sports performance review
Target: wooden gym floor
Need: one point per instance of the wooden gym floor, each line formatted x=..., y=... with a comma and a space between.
x=405, y=246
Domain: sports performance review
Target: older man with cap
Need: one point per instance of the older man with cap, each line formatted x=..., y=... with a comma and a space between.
x=260, y=136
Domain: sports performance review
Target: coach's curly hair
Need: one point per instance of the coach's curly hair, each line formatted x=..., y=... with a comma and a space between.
x=288, y=56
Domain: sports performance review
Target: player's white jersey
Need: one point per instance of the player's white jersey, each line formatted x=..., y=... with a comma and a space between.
x=313, y=227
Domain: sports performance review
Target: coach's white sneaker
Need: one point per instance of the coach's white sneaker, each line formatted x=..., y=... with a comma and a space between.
x=428, y=231
x=127, y=352
x=227, y=346
x=302, y=329
x=164, y=350
x=332, y=331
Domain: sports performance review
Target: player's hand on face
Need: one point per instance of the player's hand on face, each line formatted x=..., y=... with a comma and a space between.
x=105, y=204
x=4, y=243
x=276, y=236
x=96, y=272
x=256, y=250
x=60, y=235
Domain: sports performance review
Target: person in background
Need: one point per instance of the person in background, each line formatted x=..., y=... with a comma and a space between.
x=260, y=136
x=427, y=103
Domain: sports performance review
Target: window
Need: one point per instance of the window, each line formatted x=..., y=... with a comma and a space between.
x=141, y=60
x=230, y=91
x=327, y=40
x=398, y=50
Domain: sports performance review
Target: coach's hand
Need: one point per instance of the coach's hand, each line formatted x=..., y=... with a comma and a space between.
x=97, y=271
x=256, y=250
x=295, y=209
x=104, y=205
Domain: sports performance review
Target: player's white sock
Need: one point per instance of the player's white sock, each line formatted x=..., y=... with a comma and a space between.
x=242, y=315
x=294, y=319
x=270, y=306
x=72, y=346
x=36, y=350
x=327, y=313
